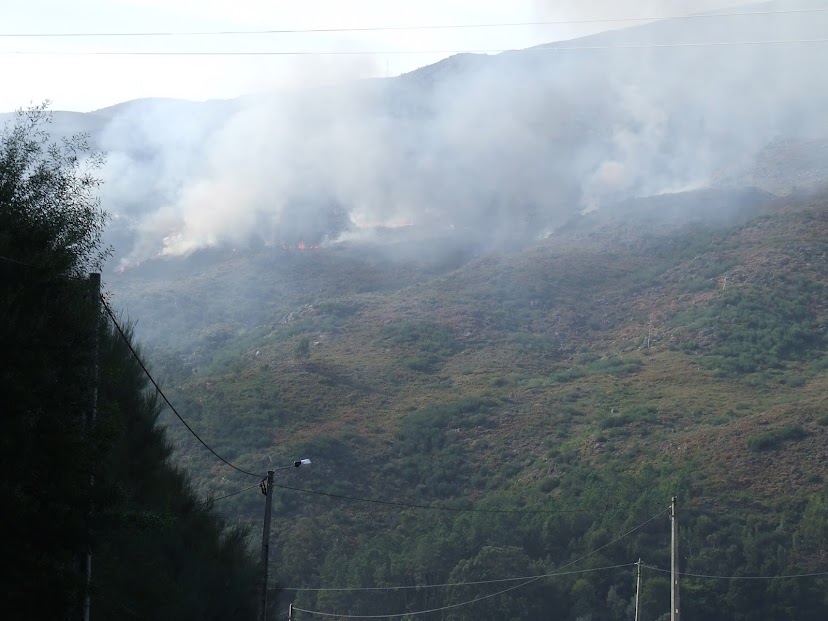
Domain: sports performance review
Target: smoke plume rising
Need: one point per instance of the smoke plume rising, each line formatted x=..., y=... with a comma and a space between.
x=492, y=148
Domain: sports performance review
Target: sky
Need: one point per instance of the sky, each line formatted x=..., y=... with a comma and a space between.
x=83, y=73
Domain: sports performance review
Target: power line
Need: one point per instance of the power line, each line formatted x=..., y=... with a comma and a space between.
x=421, y=612
x=455, y=584
x=233, y=493
x=782, y=577
x=541, y=48
x=418, y=612
x=297, y=489
x=410, y=505
x=15, y=261
x=163, y=396
x=562, y=22
x=484, y=597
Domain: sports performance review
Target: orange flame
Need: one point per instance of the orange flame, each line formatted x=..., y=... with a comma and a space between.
x=300, y=246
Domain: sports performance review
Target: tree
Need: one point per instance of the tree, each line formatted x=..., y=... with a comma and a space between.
x=301, y=351
x=50, y=235
x=50, y=215
x=535, y=601
x=160, y=551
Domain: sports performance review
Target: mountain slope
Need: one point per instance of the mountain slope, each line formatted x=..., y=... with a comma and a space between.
x=630, y=356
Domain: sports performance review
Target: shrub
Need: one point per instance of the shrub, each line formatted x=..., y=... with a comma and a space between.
x=776, y=437
x=794, y=381
x=301, y=350
x=635, y=413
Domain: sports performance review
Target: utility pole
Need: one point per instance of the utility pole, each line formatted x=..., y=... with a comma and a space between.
x=638, y=591
x=674, y=561
x=267, y=489
x=268, y=492
x=290, y=612
x=89, y=426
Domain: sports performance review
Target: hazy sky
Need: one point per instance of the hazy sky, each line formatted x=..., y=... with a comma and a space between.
x=57, y=68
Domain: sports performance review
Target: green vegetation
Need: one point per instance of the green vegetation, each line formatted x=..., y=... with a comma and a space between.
x=642, y=415
x=429, y=342
x=301, y=351
x=524, y=411
x=759, y=327
x=578, y=390
x=775, y=438
x=158, y=550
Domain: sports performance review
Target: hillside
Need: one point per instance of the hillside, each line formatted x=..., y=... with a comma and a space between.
x=675, y=344
x=509, y=305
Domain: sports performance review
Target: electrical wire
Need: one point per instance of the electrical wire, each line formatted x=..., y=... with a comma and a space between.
x=484, y=597
x=164, y=397
x=563, y=22
x=455, y=584
x=410, y=505
x=782, y=577
x=233, y=493
x=297, y=489
x=541, y=48
x=308, y=491
x=10, y=260
x=418, y=612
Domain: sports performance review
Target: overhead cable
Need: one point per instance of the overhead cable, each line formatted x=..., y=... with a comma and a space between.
x=782, y=577
x=411, y=505
x=164, y=397
x=239, y=491
x=540, y=48
x=15, y=261
x=561, y=22
x=456, y=584
x=483, y=597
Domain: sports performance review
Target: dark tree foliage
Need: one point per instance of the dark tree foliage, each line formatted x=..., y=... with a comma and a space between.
x=158, y=552
x=51, y=215
x=50, y=226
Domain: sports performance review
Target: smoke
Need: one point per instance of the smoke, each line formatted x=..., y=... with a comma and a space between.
x=493, y=149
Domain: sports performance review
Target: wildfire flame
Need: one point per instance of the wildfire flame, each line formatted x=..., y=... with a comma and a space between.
x=300, y=246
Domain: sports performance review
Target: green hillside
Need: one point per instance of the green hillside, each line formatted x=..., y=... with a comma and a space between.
x=673, y=346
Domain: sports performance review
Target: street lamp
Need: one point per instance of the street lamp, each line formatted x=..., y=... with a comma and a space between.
x=267, y=490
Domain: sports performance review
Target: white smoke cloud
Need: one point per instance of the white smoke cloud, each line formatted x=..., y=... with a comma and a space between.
x=495, y=148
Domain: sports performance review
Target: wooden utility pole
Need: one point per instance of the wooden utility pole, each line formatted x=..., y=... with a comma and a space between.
x=674, y=563
x=638, y=591
x=89, y=429
x=268, y=491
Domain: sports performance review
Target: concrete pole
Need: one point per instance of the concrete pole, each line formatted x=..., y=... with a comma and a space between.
x=674, y=563
x=266, y=544
x=638, y=592
x=89, y=429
